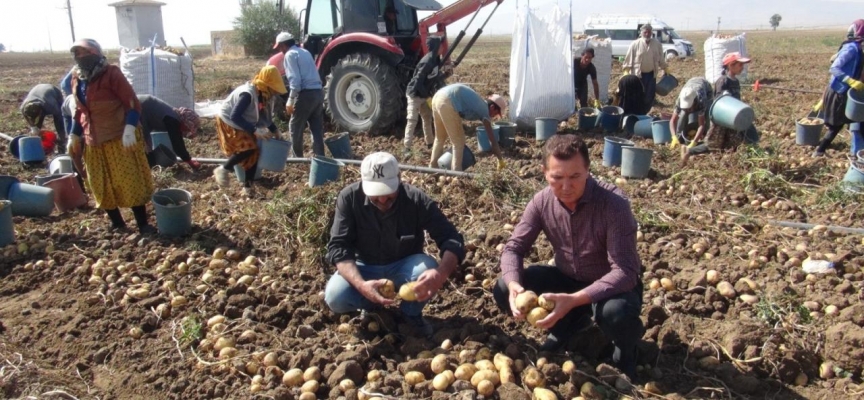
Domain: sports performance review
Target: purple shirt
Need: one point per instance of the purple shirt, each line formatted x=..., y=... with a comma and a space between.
x=596, y=243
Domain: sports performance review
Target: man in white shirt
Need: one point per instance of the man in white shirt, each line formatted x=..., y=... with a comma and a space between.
x=644, y=58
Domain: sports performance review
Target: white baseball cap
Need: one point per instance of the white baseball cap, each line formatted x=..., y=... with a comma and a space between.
x=380, y=174
x=282, y=37
x=687, y=97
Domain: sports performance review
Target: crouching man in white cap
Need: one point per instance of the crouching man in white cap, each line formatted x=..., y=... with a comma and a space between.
x=378, y=234
x=695, y=98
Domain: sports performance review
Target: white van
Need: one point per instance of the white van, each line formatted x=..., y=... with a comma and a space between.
x=624, y=29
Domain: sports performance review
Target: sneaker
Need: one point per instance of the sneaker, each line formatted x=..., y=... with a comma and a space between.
x=194, y=164
x=420, y=325
x=221, y=175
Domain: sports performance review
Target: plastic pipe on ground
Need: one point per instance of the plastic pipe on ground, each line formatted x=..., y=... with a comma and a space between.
x=801, y=225
x=404, y=167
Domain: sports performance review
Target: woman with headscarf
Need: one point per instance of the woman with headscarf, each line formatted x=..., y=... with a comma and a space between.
x=157, y=115
x=44, y=100
x=630, y=95
x=244, y=119
x=106, y=115
x=845, y=74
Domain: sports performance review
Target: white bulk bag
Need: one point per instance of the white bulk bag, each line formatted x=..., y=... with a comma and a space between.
x=541, y=67
x=160, y=73
x=602, y=61
x=717, y=46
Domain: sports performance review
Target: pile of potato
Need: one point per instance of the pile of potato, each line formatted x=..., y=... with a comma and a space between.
x=811, y=121
x=534, y=307
x=406, y=291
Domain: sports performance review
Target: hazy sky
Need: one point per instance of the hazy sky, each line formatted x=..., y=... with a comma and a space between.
x=43, y=24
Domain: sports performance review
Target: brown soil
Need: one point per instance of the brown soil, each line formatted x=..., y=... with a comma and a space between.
x=99, y=314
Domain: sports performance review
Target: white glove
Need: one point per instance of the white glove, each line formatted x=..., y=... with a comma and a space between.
x=73, y=145
x=262, y=133
x=34, y=131
x=129, y=136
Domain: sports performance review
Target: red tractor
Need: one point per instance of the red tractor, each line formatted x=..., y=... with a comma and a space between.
x=366, y=51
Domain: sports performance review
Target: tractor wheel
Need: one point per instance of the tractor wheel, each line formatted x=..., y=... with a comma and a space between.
x=363, y=94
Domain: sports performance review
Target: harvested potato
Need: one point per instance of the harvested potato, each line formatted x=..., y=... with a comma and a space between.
x=227, y=352
x=312, y=374
x=272, y=360
x=232, y=255
x=536, y=315
x=309, y=387
x=483, y=354
x=464, y=372
x=485, y=375
x=568, y=367
x=726, y=290
x=414, y=377
x=589, y=391
x=374, y=375
x=501, y=361
x=811, y=121
x=505, y=375
x=216, y=319
x=306, y=396
x=388, y=289
x=485, y=365
x=219, y=253
x=346, y=384
x=544, y=394
x=712, y=276
x=485, y=388
x=533, y=378
x=526, y=301
x=442, y=381
x=439, y=363
x=407, y=293
x=546, y=304
x=293, y=378
x=667, y=284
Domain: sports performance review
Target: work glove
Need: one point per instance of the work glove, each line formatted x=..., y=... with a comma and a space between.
x=692, y=144
x=675, y=143
x=501, y=164
x=129, y=136
x=289, y=106
x=625, y=72
x=854, y=83
x=596, y=103
x=34, y=131
x=668, y=70
x=73, y=145
x=263, y=133
x=818, y=106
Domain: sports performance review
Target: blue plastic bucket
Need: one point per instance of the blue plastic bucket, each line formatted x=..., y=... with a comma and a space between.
x=660, y=131
x=545, y=128
x=732, y=113
x=612, y=150
x=855, y=105
x=854, y=175
x=7, y=227
x=274, y=152
x=323, y=170
x=588, y=117
x=635, y=162
x=642, y=127
x=483, y=139
x=240, y=173
x=666, y=85
x=506, y=134
x=468, y=159
x=629, y=122
x=159, y=137
x=61, y=165
x=173, y=211
x=30, y=150
x=340, y=146
x=610, y=118
x=808, y=135
x=31, y=200
x=6, y=182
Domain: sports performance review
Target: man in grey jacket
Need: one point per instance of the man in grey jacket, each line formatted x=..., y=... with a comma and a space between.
x=427, y=79
x=378, y=234
x=45, y=99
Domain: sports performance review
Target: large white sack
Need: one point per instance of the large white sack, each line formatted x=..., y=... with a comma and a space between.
x=541, y=67
x=163, y=74
x=717, y=46
x=602, y=61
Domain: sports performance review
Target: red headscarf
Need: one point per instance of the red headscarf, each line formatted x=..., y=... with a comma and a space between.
x=189, y=121
x=856, y=30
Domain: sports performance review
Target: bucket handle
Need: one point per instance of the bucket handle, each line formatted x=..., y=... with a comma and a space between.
x=168, y=201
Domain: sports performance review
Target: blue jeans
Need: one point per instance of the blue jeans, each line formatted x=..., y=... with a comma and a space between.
x=341, y=297
x=650, y=85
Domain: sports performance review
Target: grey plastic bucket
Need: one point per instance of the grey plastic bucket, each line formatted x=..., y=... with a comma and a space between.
x=506, y=134
x=612, y=150
x=732, y=113
x=660, y=131
x=808, y=135
x=643, y=127
x=61, y=165
x=273, y=155
x=160, y=137
x=855, y=174
x=340, y=146
x=630, y=120
x=860, y=156
x=323, y=170
x=31, y=200
x=588, y=122
x=855, y=105
x=446, y=159
x=7, y=227
x=173, y=211
x=161, y=156
x=666, y=85
x=483, y=143
x=545, y=128
x=635, y=162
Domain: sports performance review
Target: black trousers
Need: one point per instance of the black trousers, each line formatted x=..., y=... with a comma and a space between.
x=617, y=316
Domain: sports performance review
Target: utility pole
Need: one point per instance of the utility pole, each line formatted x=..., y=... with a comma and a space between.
x=71, y=25
x=718, y=25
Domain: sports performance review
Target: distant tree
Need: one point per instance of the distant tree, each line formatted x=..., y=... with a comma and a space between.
x=2, y=48
x=260, y=22
x=775, y=21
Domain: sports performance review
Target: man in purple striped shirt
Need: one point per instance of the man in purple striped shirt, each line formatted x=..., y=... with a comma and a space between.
x=597, y=270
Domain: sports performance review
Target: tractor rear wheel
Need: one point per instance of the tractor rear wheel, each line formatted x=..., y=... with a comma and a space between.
x=363, y=94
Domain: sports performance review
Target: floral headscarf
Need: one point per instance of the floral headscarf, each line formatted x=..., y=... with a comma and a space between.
x=189, y=121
